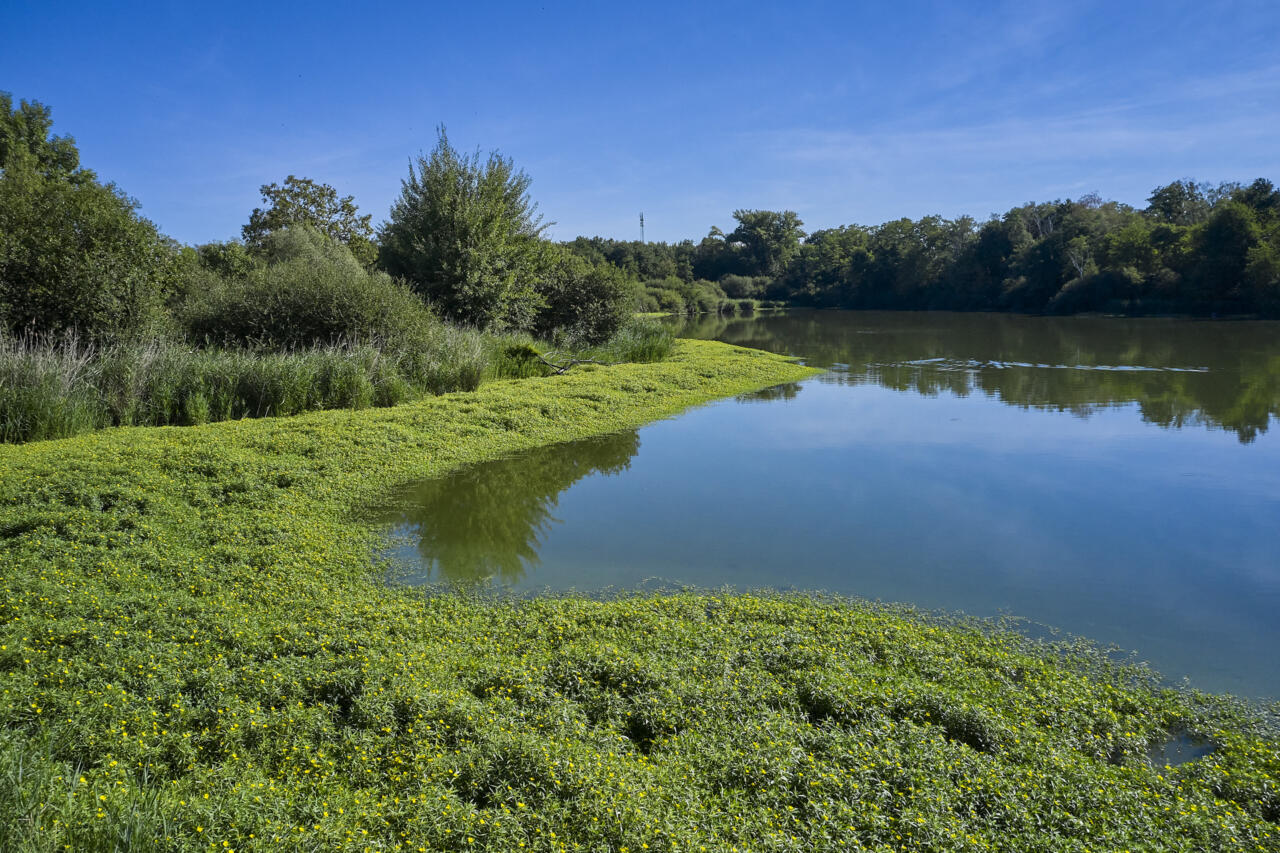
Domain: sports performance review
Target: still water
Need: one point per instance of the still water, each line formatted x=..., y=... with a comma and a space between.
x=1115, y=479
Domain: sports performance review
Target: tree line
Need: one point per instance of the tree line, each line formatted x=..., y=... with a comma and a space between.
x=1195, y=248
x=464, y=238
x=466, y=241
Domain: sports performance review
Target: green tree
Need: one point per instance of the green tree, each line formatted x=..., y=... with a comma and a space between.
x=302, y=201
x=466, y=235
x=769, y=238
x=1262, y=198
x=74, y=254
x=1179, y=203
x=230, y=259
x=1222, y=245
x=585, y=303
x=24, y=133
x=1262, y=278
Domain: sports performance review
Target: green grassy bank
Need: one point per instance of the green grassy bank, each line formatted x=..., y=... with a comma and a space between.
x=195, y=654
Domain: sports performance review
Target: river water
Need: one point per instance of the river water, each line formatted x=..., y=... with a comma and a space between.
x=1117, y=479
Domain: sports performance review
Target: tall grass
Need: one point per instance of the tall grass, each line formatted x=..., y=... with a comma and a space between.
x=46, y=388
x=639, y=340
x=54, y=388
x=519, y=356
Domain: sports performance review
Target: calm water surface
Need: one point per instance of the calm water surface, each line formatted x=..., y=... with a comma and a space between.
x=1116, y=479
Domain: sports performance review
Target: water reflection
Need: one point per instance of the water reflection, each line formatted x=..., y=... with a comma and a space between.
x=933, y=465
x=1180, y=373
x=488, y=521
x=787, y=391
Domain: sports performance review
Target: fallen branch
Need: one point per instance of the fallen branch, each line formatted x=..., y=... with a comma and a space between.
x=562, y=367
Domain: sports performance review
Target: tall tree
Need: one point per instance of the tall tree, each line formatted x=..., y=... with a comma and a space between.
x=24, y=133
x=769, y=238
x=466, y=235
x=1179, y=203
x=74, y=254
x=1222, y=247
x=302, y=201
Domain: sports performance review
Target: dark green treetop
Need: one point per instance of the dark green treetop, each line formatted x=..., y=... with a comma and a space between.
x=24, y=133
x=466, y=235
x=75, y=256
x=769, y=238
x=302, y=201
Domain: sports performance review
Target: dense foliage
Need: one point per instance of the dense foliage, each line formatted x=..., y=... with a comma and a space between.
x=465, y=234
x=105, y=322
x=194, y=655
x=310, y=291
x=1194, y=249
x=26, y=132
x=302, y=201
x=74, y=254
x=582, y=303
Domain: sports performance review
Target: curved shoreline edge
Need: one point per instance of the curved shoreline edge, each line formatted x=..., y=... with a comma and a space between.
x=193, y=650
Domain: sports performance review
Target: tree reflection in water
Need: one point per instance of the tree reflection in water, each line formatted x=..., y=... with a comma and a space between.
x=1217, y=374
x=488, y=520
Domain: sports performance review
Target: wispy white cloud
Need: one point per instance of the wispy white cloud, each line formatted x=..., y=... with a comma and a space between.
x=1212, y=110
x=1122, y=145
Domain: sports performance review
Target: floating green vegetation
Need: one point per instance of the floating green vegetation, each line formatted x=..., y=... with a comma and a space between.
x=196, y=654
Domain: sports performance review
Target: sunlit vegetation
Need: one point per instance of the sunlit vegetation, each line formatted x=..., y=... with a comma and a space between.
x=1195, y=248
x=200, y=651
x=196, y=652
x=104, y=322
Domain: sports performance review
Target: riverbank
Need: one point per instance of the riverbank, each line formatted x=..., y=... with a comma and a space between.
x=194, y=650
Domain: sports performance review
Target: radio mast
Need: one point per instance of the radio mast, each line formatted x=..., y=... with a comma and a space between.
x=642, y=226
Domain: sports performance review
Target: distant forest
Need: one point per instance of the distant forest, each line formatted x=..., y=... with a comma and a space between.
x=1196, y=248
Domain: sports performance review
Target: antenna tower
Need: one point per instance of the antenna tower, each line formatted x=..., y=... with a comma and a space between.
x=642, y=227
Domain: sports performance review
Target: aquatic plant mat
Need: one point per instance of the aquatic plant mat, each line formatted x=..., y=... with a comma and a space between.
x=197, y=653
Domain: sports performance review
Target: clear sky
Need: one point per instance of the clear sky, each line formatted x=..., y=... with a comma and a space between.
x=844, y=112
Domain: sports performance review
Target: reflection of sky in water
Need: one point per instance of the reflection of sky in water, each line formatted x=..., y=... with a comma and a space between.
x=1159, y=540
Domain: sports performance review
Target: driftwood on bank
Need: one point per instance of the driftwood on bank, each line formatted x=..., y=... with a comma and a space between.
x=549, y=360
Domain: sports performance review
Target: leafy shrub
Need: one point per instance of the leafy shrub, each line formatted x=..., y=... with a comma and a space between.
x=312, y=292
x=74, y=255
x=701, y=297
x=585, y=304
x=668, y=300
x=743, y=286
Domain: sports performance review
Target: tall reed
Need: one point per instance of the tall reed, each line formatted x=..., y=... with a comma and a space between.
x=58, y=387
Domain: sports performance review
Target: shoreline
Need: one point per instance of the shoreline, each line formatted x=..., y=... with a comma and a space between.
x=197, y=650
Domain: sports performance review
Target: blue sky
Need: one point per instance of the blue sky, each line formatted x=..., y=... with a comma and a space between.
x=845, y=112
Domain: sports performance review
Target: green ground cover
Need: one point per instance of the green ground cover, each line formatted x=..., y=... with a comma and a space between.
x=196, y=653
